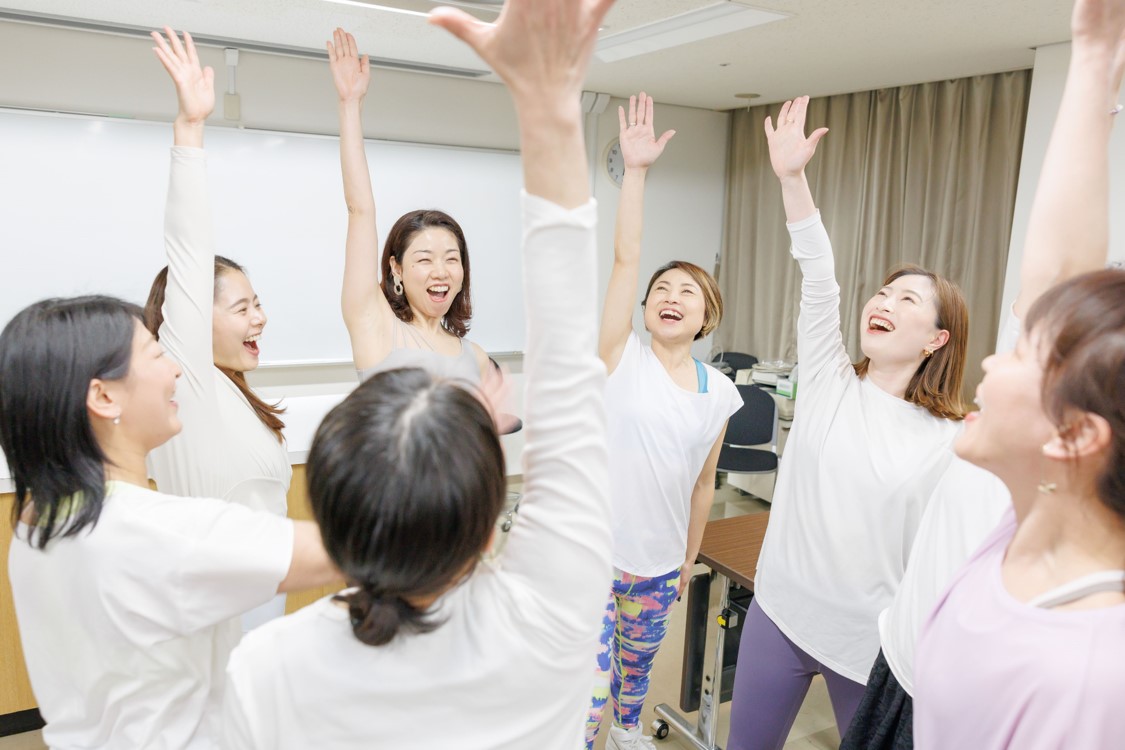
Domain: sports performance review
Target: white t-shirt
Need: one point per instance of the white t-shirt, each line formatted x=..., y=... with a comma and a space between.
x=119, y=623
x=659, y=438
x=510, y=666
x=966, y=505
x=858, y=469
x=224, y=450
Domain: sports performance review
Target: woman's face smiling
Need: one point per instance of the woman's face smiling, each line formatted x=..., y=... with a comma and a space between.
x=675, y=307
x=431, y=272
x=1007, y=434
x=237, y=321
x=900, y=321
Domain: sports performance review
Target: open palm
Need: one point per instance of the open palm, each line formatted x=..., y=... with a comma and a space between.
x=350, y=72
x=790, y=150
x=195, y=85
x=639, y=145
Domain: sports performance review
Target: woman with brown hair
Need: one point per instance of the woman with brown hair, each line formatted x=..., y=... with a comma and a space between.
x=666, y=415
x=867, y=445
x=417, y=314
x=207, y=316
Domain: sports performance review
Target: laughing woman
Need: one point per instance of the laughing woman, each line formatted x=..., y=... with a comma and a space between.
x=418, y=314
x=667, y=414
x=867, y=445
x=207, y=316
x=123, y=594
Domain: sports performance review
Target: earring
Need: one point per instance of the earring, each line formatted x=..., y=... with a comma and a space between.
x=117, y=419
x=398, y=286
x=1047, y=488
x=927, y=353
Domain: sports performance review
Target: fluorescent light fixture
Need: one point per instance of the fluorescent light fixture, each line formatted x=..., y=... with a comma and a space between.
x=693, y=26
x=374, y=6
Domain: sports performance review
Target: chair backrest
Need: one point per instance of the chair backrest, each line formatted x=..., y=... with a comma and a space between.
x=756, y=422
x=737, y=360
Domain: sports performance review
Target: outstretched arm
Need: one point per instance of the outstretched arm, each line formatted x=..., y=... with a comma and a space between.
x=188, y=238
x=640, y=148
x=541, y=49
x=1068, y=229
x=365, y=309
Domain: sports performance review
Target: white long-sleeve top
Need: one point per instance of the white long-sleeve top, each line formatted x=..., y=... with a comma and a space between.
x=224, y=450
x=964, y=508
x=510, y=666
x=858, y=469
x=121, y=623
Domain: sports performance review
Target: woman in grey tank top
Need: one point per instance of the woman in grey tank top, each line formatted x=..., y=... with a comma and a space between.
x=418, y=314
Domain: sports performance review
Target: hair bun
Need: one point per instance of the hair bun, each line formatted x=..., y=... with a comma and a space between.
x=376, y=618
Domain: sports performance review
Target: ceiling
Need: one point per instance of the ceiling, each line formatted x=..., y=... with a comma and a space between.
x=821, y=47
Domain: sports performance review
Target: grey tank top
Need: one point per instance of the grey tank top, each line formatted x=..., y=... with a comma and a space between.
x=409, y=349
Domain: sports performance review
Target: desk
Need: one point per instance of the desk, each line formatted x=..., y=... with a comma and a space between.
x=730, y=548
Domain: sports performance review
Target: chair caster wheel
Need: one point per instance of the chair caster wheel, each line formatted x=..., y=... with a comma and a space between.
x=660, y=729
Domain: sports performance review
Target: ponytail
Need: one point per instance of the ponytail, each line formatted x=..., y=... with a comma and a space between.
x=377, y=618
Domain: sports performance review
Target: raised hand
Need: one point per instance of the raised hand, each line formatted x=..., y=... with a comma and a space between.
x=639, y=145
x=790, y=150
x=535, y=46
x=1098, y=22
x=350, y=72
x=195, y=86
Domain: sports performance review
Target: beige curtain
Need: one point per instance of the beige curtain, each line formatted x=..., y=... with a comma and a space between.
x=921, y=174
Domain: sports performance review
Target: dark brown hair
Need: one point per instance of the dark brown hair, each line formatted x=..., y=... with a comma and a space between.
x=154, y=317
x=1082, y=323
x=712, y=298
x=406, y=481
x=936, y=385
x=49, y=353
x=456, y=321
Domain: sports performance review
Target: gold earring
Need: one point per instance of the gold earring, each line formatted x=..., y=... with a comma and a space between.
x=927, y=353
x=1047, y=488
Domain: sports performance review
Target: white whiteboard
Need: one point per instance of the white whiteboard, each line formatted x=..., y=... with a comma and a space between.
x=82, y=211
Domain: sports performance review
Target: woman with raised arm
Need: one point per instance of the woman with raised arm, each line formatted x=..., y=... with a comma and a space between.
x=432, y=647
x=666, y=414
x=123, y=594
x=867, y=445
x=417, y=314
x=1066, y=237
x=207, y=316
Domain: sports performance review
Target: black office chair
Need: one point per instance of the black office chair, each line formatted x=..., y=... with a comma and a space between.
x=755, y=424
x=729, y=363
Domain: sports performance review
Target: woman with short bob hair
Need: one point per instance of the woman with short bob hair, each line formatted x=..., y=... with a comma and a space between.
x=868, y=443
x=412, y=308
x=122, y=593
x=432, y=646
x=666, y=414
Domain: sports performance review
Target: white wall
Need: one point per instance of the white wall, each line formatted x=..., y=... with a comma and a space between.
x=1047, y=82
x=75, y=71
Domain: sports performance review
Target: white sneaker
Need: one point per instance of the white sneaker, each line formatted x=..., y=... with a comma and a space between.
x=628, y=739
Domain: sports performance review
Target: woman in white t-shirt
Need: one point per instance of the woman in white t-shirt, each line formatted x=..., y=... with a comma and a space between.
x=666, y=416
x=208, y=318
x=434, y=647
x=121, y=593
x=867, y=445
x=418, y=313
x=969, y=501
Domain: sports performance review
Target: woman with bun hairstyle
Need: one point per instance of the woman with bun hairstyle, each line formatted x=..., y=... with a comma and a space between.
x=432, y=646
x=867, y=445
x=412, y=308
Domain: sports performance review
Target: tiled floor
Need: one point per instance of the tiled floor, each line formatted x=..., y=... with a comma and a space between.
x=815, y=728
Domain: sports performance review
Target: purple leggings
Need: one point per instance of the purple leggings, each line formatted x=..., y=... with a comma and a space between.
x=770, y=683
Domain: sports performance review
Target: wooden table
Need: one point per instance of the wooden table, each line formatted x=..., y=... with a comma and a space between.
x=730, y=548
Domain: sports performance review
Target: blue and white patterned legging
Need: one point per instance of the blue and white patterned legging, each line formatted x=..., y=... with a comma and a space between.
x=636, y=621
